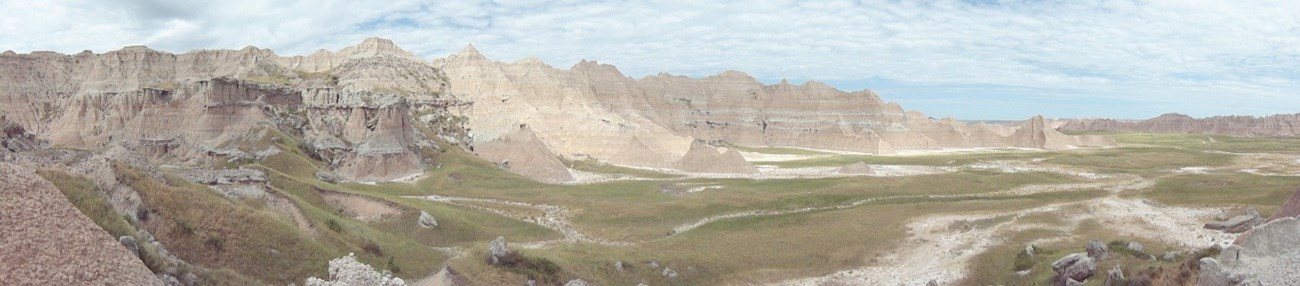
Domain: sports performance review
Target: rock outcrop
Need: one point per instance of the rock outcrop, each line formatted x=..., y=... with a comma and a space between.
x=498, y=250
x=1076, y=267
x=1249, y=126
x=427, y=220
x=593, y=111
x=1097, y=250
x=1036, y=134
x=373, y=111
x=47, y=241
x=347, y=271
x=367, y=110
x=15, y=138
x=702, y=158
x=1237, y=224
x=1267, y=256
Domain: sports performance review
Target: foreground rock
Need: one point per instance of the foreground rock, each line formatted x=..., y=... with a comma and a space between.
x=1115, y=277
x=1097, y=250
x=497, y=250
x=47, y=241
x=1237, y=224
x=427, y=220
x=1076, y=267
x=1268, y=256
x=347, y=271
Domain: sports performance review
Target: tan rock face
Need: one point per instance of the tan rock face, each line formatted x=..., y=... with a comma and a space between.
x=362, y=106
x=592, y=110
x=1250, y=126
x=47, y=241
x=369, y=110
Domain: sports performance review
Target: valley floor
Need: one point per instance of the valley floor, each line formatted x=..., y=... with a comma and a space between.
x=808, y=217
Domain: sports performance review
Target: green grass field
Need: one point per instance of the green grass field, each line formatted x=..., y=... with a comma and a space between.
x=221, y=235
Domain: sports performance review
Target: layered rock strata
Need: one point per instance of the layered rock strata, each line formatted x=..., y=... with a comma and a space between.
x=1280, y=125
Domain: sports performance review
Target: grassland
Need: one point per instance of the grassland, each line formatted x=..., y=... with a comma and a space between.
x=741, y=250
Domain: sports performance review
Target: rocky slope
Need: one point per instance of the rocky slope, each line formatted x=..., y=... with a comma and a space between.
x=1250, y=126
x=47, y=241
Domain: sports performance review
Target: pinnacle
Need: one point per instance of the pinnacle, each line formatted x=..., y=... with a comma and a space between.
x=470, y=50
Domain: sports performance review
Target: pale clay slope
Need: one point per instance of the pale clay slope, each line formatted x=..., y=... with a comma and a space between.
x=47, y=241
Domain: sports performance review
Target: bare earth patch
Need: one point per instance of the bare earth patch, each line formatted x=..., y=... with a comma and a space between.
x=358, y=207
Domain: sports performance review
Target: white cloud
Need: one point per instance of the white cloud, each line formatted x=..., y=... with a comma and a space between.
x=1202, y=57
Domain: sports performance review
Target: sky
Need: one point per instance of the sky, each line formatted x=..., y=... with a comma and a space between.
x=974, y=59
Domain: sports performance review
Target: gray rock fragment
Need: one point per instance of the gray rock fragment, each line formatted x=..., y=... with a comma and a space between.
x=1097, y=250
x=427, y=220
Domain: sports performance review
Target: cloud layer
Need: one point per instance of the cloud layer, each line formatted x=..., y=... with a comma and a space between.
x=971, y=59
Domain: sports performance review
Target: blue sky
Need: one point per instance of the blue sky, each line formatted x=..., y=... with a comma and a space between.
x=967, y=59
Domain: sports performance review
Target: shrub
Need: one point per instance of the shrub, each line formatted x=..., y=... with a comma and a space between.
x=535, y=268
x=333, y=225
x=373, y=248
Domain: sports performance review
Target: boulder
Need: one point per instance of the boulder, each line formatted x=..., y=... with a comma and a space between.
x=1135, y=246
x=1097, y=250
x=932, y=283
x=1214, y=274
x=576, y=282
x=348, y=271
x=620, y=266
x=497, y=250
x=328, y=177
x=1170, y=256
x=669, y=273
x=129, y=243
x=1076, y=266
x=1115, y=277
x=427, y=220
x=1237, y=224
x=1266, y=255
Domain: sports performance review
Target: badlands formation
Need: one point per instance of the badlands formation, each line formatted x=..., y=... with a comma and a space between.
x=370, y=165
x=372, y=109
x=1279, y=125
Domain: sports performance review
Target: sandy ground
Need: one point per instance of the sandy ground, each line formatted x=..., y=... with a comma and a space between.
x=359, y=207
